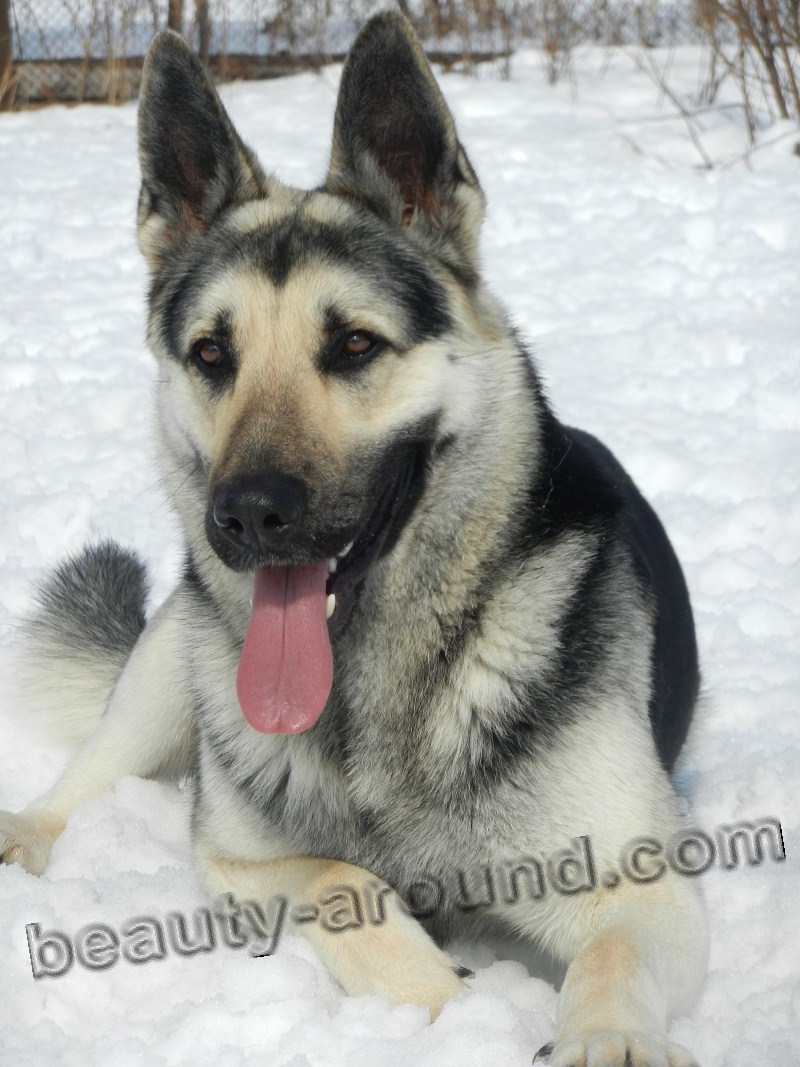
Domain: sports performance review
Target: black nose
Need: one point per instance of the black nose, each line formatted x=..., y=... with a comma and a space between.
x=260, y=513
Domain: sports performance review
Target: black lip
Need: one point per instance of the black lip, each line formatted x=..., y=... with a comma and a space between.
x=378, y=534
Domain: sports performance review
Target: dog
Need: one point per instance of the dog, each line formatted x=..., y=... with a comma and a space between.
x=424, y=630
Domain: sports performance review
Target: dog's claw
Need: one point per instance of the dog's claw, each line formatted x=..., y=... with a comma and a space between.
x=464, y=972
x=613, y=1049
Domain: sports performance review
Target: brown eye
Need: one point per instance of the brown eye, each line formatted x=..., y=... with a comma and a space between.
x=209, y=352
x=358, y=344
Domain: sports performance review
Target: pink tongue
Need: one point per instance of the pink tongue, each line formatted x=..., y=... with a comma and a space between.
x=286, y=670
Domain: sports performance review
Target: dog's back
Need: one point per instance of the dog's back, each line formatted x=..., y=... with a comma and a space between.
x=589, y=465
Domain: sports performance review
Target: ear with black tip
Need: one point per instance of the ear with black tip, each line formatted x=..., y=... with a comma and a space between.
x=194, y=164
x=394, y=139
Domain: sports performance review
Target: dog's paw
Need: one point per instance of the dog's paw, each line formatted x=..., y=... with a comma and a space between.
x=26, y=839
x=613, y=1048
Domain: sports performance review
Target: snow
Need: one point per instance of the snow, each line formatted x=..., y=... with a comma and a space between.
x=662, y=299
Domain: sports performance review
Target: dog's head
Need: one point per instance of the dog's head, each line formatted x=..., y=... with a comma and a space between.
x=307, y=338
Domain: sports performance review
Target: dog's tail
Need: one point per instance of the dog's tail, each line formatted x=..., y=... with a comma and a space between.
x=89, y=614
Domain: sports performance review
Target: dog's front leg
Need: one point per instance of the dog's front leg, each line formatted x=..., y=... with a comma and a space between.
x=361, y=931
x=146, y=730
x=638, y=955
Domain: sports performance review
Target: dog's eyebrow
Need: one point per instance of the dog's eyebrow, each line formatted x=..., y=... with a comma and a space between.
x=334, y=321
x=220, y=326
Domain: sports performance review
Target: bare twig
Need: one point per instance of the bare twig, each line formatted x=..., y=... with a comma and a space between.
x=657, y=76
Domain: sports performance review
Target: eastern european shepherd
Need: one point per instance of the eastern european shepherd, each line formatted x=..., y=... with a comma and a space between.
x=426, y=636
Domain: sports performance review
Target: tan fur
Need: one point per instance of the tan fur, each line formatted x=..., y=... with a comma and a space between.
x=394, y=958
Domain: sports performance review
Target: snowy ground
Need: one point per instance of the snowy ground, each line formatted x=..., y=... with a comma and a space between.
x=663, y=302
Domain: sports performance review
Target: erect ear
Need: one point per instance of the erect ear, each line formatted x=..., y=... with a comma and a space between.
x=394, y=139
x=194, y=164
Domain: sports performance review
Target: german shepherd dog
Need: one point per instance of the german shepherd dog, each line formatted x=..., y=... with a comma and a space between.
x=424, y=631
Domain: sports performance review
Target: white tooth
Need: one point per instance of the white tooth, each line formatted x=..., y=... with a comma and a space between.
x=346, y=549
x=330, y=605
x=331, y=565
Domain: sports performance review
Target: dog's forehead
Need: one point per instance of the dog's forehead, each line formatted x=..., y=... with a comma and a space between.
x=289, y=206
x=319, y=252
x=292, y=230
